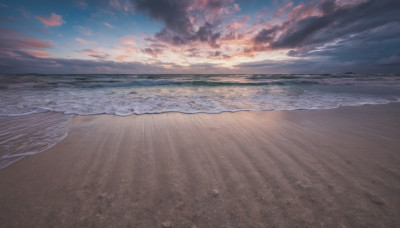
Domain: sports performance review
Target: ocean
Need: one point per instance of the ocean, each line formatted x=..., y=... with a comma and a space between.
x=145, y=94
x=37, y=107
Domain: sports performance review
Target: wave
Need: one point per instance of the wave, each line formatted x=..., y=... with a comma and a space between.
x=137, y=94
x=213, y=111
x=211, y=83
x=38, y=81
x=148, y=83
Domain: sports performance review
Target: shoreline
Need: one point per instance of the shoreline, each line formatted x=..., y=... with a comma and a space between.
x=331, y=167
x=212, y=113
x=70, y=117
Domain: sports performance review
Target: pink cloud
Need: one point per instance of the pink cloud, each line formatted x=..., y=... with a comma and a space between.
x=122, y=5
x=54, y=20
x=211, y=9
x=84, y=30
x=108, y=25
x=303, y=11
x=202, y=4
x=128, y=40
x=283, y=9
x=80, y=40
x=240, y=23
x=349, y=2
x=39, y=54
x=13, y=39
x=215, y=13
x=236, y=7
x=13, y=42
x=95, y=54
x=32, y=43
x=128, y=46
x=198, y=5
x=3, y=5
x=262, y=12
x=43, y=31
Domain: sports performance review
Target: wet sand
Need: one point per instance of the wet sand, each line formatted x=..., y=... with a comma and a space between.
x=310, y=168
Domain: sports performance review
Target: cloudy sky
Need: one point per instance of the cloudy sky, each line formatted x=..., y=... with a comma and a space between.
x=199, y=36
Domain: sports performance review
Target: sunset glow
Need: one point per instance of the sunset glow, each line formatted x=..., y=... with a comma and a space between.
x=199, y=36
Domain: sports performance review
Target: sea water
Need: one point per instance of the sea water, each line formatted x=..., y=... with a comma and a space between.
x=144, y=94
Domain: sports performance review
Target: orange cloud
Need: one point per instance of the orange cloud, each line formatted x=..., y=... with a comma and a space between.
x=54, y=20
x=240, y=23
x=122, y=58
x=128, y=40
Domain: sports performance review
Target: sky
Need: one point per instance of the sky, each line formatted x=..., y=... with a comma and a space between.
x=199, y=36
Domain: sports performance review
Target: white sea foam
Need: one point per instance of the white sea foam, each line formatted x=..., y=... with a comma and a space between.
x=189, y=99
x=28, y=135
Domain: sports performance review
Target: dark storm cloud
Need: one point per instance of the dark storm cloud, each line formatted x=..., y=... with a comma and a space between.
x=328, y=6
x=152, y=51
x=366, y=47
x=335, y=22
x=206, y=34
x=303, y=66
x=172, y=12
x=218, y=54
x=178, y=26
x=265, y=36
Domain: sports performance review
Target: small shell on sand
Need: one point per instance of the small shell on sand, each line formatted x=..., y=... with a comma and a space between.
x=215, y=192
x=166, y=224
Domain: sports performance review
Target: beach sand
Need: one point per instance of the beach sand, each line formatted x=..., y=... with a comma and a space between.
x=304, y=168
